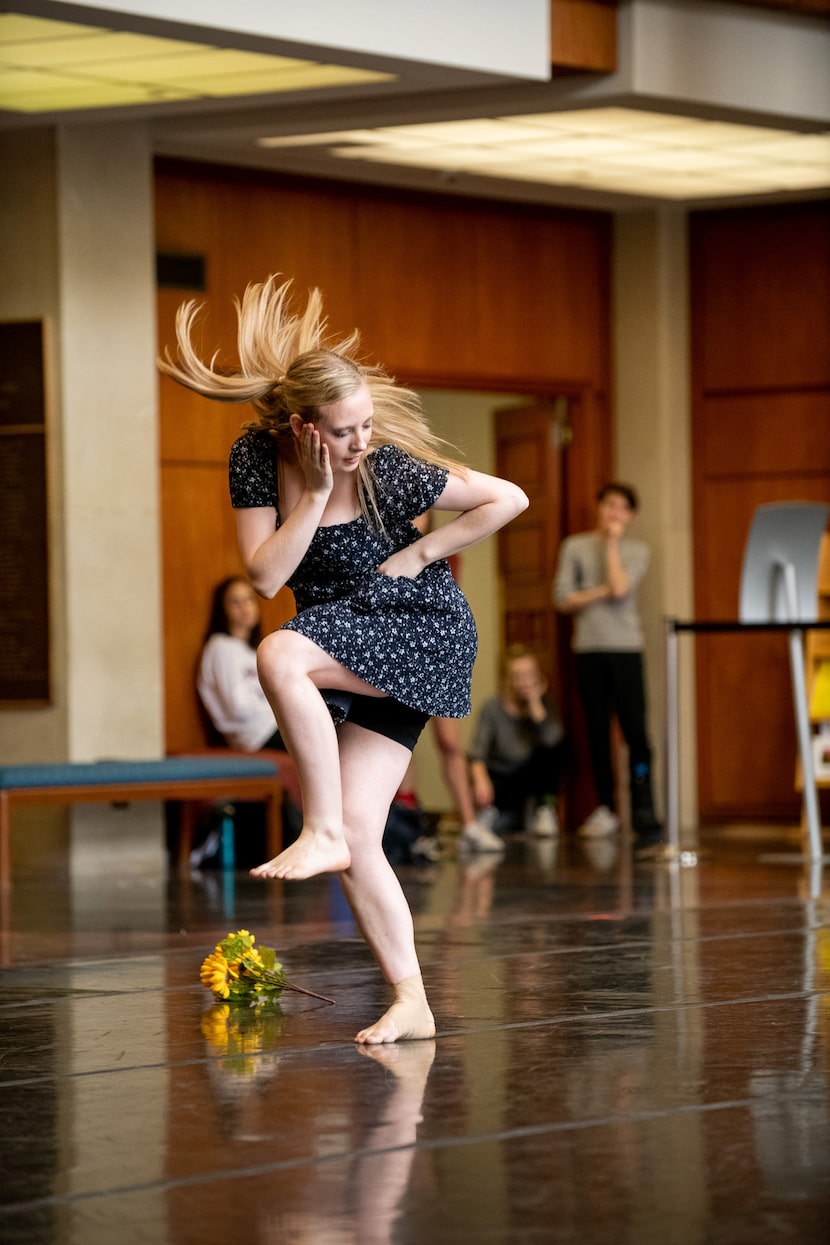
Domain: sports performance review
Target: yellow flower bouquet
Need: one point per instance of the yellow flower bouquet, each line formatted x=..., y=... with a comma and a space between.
x=238, y=972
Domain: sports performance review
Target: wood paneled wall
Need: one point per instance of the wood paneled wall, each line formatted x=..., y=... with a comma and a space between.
x=447, y=293
x=760, y=283
x=583, y=35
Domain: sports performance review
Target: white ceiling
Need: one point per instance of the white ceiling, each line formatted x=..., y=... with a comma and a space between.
x=389, y=121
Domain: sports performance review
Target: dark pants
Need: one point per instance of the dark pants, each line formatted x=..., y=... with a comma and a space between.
x=539, y=776
x=612, y=683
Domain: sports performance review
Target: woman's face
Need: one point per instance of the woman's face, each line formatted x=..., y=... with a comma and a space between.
x=346, y=428
x=524, y=678
x=241, y=609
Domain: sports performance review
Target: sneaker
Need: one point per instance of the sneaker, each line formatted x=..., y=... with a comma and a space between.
x=476, y=837
x=600, y=824
x=545, y=824
x=426, y=847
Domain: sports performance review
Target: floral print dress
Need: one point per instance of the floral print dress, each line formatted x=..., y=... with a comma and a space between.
x=414, y=639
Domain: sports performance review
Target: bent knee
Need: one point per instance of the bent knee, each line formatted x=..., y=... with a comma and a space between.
x=276, y=652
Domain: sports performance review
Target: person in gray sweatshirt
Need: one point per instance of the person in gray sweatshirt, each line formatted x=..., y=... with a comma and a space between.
x=596, y=582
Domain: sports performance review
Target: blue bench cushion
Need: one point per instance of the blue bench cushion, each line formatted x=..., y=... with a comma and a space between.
x=165, y=769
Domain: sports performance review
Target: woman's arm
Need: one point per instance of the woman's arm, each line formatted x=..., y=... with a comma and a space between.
x=271, y=554
x=485, y=503
x=573, y=602
x=568, y=595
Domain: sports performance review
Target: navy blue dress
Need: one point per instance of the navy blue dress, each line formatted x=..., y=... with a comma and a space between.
x=414, y=639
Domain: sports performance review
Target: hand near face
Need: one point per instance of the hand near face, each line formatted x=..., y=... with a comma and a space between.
x=530, y=695
x=613, y=527
x=313, y=459
x=614, y=515
x=526, y=686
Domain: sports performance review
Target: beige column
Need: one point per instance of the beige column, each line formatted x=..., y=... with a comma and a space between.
x=108, y=451
x=78, y=253
x=653, y=448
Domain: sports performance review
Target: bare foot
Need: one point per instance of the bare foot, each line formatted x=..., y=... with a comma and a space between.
x=408, y=1019
x=310, y=854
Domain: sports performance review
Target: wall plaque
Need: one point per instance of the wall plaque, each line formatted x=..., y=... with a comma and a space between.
x=24, y=578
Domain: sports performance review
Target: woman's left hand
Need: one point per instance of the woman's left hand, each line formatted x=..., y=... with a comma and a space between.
x=405, y=564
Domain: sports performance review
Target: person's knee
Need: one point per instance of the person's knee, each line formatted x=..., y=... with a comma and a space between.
x=274, y=656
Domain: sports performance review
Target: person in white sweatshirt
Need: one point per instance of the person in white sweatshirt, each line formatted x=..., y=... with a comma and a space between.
x=228, y=683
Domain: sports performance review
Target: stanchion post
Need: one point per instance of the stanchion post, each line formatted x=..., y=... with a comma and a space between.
x=672, y=741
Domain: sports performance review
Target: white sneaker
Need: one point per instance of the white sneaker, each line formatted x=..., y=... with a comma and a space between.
x=476, y=837
x=545, y=824
x=600, y=824
x=426, y=847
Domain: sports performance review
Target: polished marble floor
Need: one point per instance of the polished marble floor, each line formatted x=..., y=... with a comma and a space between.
x=627, y=1053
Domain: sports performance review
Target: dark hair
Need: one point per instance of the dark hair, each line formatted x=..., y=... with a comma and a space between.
x=624, y=490
x=218, y=624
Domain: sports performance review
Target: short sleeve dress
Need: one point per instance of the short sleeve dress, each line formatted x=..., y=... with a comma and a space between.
x=414, y=639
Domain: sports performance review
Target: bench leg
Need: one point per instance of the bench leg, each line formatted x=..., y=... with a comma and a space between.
x=5, y=842
x=187, y=833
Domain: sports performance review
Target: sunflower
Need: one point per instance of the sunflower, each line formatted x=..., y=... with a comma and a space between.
x=218, y=974
x=241, y=972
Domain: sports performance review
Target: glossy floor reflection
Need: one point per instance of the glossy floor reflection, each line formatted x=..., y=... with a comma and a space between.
x=635, y=1053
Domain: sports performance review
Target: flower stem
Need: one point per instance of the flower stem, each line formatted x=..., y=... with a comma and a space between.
x=277, y=979
x=302, y=990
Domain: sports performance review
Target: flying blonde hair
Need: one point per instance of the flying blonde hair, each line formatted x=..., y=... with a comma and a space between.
x=287, y=366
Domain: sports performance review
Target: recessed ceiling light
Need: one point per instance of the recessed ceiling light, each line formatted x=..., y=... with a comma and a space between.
x=619, y=150
x=48, y=66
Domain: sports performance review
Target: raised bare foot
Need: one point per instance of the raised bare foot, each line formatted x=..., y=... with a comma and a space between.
x=408, y=1019
x=310, y=854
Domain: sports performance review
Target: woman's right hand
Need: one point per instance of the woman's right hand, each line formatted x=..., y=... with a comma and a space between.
x=313, y=460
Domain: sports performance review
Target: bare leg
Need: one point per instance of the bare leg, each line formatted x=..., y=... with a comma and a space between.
x=454, y=767
x=372, y=768
x=292, y=670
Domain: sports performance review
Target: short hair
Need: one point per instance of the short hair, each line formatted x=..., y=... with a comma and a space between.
x=623, y=490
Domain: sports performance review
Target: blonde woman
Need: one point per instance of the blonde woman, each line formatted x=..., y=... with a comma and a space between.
x=325, y=483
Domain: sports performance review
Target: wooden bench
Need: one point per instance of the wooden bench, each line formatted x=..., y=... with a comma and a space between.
x=191, y=780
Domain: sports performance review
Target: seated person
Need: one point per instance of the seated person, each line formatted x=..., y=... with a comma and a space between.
x=228, y=683
x=517, y=753
x=230, y=690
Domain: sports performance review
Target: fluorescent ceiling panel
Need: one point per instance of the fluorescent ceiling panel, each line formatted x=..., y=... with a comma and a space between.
x=48, y=66
x=619, y=150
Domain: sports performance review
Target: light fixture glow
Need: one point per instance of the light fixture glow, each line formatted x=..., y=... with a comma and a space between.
x=616, y=150
x=48, y=66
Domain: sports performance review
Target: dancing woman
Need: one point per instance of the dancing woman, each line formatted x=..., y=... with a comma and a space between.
x=325, y=484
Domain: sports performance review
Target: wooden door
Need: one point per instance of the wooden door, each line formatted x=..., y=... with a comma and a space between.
x=760, y=320
x=529, y=451
x=533, y=449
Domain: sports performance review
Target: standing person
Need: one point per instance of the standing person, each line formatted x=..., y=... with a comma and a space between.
x=475, y=835
x=228, y=683
x=516, y=757
x=596, y=580
x=325, y=483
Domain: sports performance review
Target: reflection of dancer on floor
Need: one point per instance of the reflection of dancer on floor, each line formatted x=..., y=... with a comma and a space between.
x=382, y=1176
x=325, y=483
